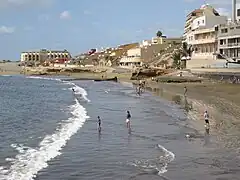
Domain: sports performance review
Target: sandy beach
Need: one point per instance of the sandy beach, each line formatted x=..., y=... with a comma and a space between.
x=220, y=99
x=10, y=68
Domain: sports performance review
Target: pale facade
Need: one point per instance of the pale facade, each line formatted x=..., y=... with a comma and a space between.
x=134, y=52
x=204, y=17
x=44, y=54
x=130, y=62
x=229, y=40
x=204, y=43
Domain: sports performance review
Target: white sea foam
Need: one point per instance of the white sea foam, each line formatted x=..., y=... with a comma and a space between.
x=46, y=78
x=5, y=75
x=80, y=91
x=158, y=165
x=168, y=157
x=29, y=161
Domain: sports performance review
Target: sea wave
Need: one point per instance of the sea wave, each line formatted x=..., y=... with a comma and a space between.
x=29, y=161
x=158, y=165
x=40, y=77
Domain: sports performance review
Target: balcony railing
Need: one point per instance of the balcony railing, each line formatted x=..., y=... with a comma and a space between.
x=230, y=45
x=204, y=41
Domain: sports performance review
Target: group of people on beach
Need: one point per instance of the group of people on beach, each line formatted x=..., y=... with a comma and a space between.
x=140, y=88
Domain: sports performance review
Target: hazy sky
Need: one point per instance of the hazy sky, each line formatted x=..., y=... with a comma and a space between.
x=78, y=25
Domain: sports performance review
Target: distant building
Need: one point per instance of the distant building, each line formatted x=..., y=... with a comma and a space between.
x=201, y=36
x=44, y=54
x=161, y=40
x=204, y=17
x=204, y=43
x=229, y=36
x=229, y=40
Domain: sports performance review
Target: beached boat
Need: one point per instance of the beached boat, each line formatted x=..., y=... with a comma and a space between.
x=107, y=79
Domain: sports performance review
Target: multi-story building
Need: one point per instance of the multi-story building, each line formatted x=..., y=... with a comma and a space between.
x=229, y=40
x=229, y=36
x=204, y=17
x=204, y=43
x=44, y=54
x=201, y=37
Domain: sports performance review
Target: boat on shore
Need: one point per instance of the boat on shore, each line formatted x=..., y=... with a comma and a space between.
x=115, y=79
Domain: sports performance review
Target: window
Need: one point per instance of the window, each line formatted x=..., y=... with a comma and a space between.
x=203, y=21
x=224, y=30
x=198, y=22
x=238, y=27
x=231, y=28
x=238, y=12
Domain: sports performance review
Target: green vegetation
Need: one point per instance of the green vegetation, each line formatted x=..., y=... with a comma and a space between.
x=159, y=34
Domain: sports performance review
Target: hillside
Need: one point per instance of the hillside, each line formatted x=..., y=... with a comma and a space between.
x=165, y=56
x=114, y=54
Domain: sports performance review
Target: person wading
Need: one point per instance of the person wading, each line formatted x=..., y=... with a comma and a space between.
x=128, y=120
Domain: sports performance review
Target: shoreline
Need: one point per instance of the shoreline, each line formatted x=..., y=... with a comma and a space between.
x=220, y=99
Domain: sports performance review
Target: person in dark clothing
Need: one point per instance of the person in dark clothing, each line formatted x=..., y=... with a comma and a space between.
x=185, y=90
x=128, y=119
x=73, y=90
x=99, y=124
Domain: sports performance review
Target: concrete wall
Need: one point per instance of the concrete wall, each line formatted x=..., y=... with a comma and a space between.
x=206, y=63
x=134, y=52
x=215, y=20
x=232, y=30
x=199, y=22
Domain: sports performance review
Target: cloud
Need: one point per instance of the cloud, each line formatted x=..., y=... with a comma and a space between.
x=65, y=15
x=6, y=30
x=24, y=3
x=223, y=11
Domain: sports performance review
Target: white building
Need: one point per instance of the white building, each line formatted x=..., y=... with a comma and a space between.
x=206, y=16
x=202, y=37
x=133, y=58
x=206, y=21
x=44, y=54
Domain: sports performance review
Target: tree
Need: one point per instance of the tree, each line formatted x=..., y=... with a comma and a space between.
x=186, y=50
x=159, y=34
x=176, y=59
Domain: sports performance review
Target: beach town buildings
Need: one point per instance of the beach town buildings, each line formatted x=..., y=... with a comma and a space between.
x=147, y=50
x=201, y=35
x=44, y=54
x=229, y=36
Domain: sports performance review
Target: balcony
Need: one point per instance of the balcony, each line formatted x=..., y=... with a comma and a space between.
x=204, y=41
x=230, y=45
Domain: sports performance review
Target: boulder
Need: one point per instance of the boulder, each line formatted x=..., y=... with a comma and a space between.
x=148, y=73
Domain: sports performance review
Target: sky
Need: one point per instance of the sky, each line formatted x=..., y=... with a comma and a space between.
x=79, y=25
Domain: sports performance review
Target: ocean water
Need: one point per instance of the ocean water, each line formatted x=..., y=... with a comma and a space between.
x=49, y=133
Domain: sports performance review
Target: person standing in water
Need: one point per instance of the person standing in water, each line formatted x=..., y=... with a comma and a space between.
x=99, y=124
x=128, y=119
x=73, y=90
x=185, y=90
x=206, y=118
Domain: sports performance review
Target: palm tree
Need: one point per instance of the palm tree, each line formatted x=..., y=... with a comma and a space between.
x=159, y=34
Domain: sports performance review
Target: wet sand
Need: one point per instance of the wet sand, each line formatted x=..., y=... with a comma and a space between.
x=220, y=99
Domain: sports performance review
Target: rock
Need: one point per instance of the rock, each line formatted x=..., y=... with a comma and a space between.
x=148, y=73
